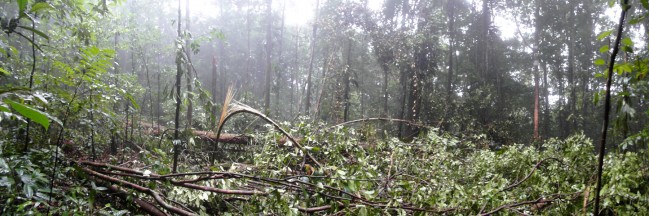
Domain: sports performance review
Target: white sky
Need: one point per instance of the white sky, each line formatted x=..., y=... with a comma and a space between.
x=298, y=12
x=301, y=12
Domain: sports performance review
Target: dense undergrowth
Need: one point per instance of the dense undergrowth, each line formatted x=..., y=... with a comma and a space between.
x=361, y=174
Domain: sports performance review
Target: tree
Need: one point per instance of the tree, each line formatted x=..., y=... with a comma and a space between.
x=179, y=72
x=307, y=105
x=269, y=50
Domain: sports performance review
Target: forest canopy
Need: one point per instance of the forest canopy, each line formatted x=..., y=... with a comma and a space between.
x=325, y=107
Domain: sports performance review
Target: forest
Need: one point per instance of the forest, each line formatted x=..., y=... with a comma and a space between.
x=324, y=107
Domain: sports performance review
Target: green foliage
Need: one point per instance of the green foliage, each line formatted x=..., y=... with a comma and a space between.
x=30, y=113
x=437, y=171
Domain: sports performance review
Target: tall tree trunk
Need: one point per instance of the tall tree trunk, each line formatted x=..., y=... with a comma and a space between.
x=148, y=84
x=307, y=105
x=386, y=73
x=114, y=136
x=450, y=12
x=561, y=113
x=188, y=76
x=586, y=68
x=325, y=67
x=486, y=22
x=248, y=48
x=346, y=79
x=269, y=50
x=179, y=73
x=159, y=100
x=546, y=101
x=281, y=64
x=296, y=67
x=214, y=92
x=537, y=62
x=403, y=79
x=572, y=100
x=221, y=57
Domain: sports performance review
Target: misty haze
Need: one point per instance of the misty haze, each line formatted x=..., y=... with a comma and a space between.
x=324, y=107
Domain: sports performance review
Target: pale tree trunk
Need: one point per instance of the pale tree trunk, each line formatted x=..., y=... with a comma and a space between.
x=450, y=12
x=281, y=65
x=296, y=67
x=189, y=79
x=537, y=62
x=269, y=50
x=214, y=92
x=323, y=84
x=307, y=104
x=179, y=73
x=346, y=78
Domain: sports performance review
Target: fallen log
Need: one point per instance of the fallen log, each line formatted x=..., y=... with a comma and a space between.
x=144, y=205
x=150, y=192
x=208, y=136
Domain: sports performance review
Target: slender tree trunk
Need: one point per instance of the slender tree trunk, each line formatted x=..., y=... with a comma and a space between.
x=296, y=67
x=586, y=68
x=179, y=73
x=307, y=105
x=222, y=83
x=450, y=10
x=572, y=101
x=269, y=50
x=113, y=137
x=561, y=113
x=159, y=100
x=148, y=84
x=248, y=48
x=214, y=93
x=607, y=106
x=386, y=73
x=346, y=79
x=403, y=79
x=281, y=64
x=323, y=84
x=31, y=84
x=188, y=76
x=546, y=101
x=537, y=62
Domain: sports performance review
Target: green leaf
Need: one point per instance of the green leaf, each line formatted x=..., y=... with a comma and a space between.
x=628, y=49
x=22, y=5
x=31, y=113
x=39, y=33
x=599, y=62
x=645, y=4
x=604, y=49
x=627, y=41
x=603, y=35
x=41, y=6
x=130, y=97
x=4, y=108
x=5, y=72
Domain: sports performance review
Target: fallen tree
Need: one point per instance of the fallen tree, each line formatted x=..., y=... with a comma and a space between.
x=207, y=136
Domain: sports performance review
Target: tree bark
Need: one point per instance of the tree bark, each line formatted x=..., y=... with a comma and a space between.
x=307, y=105
x=347, y=80
x=179, y=73
x=269, y=50
x=189, y=79
x=537, y=62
